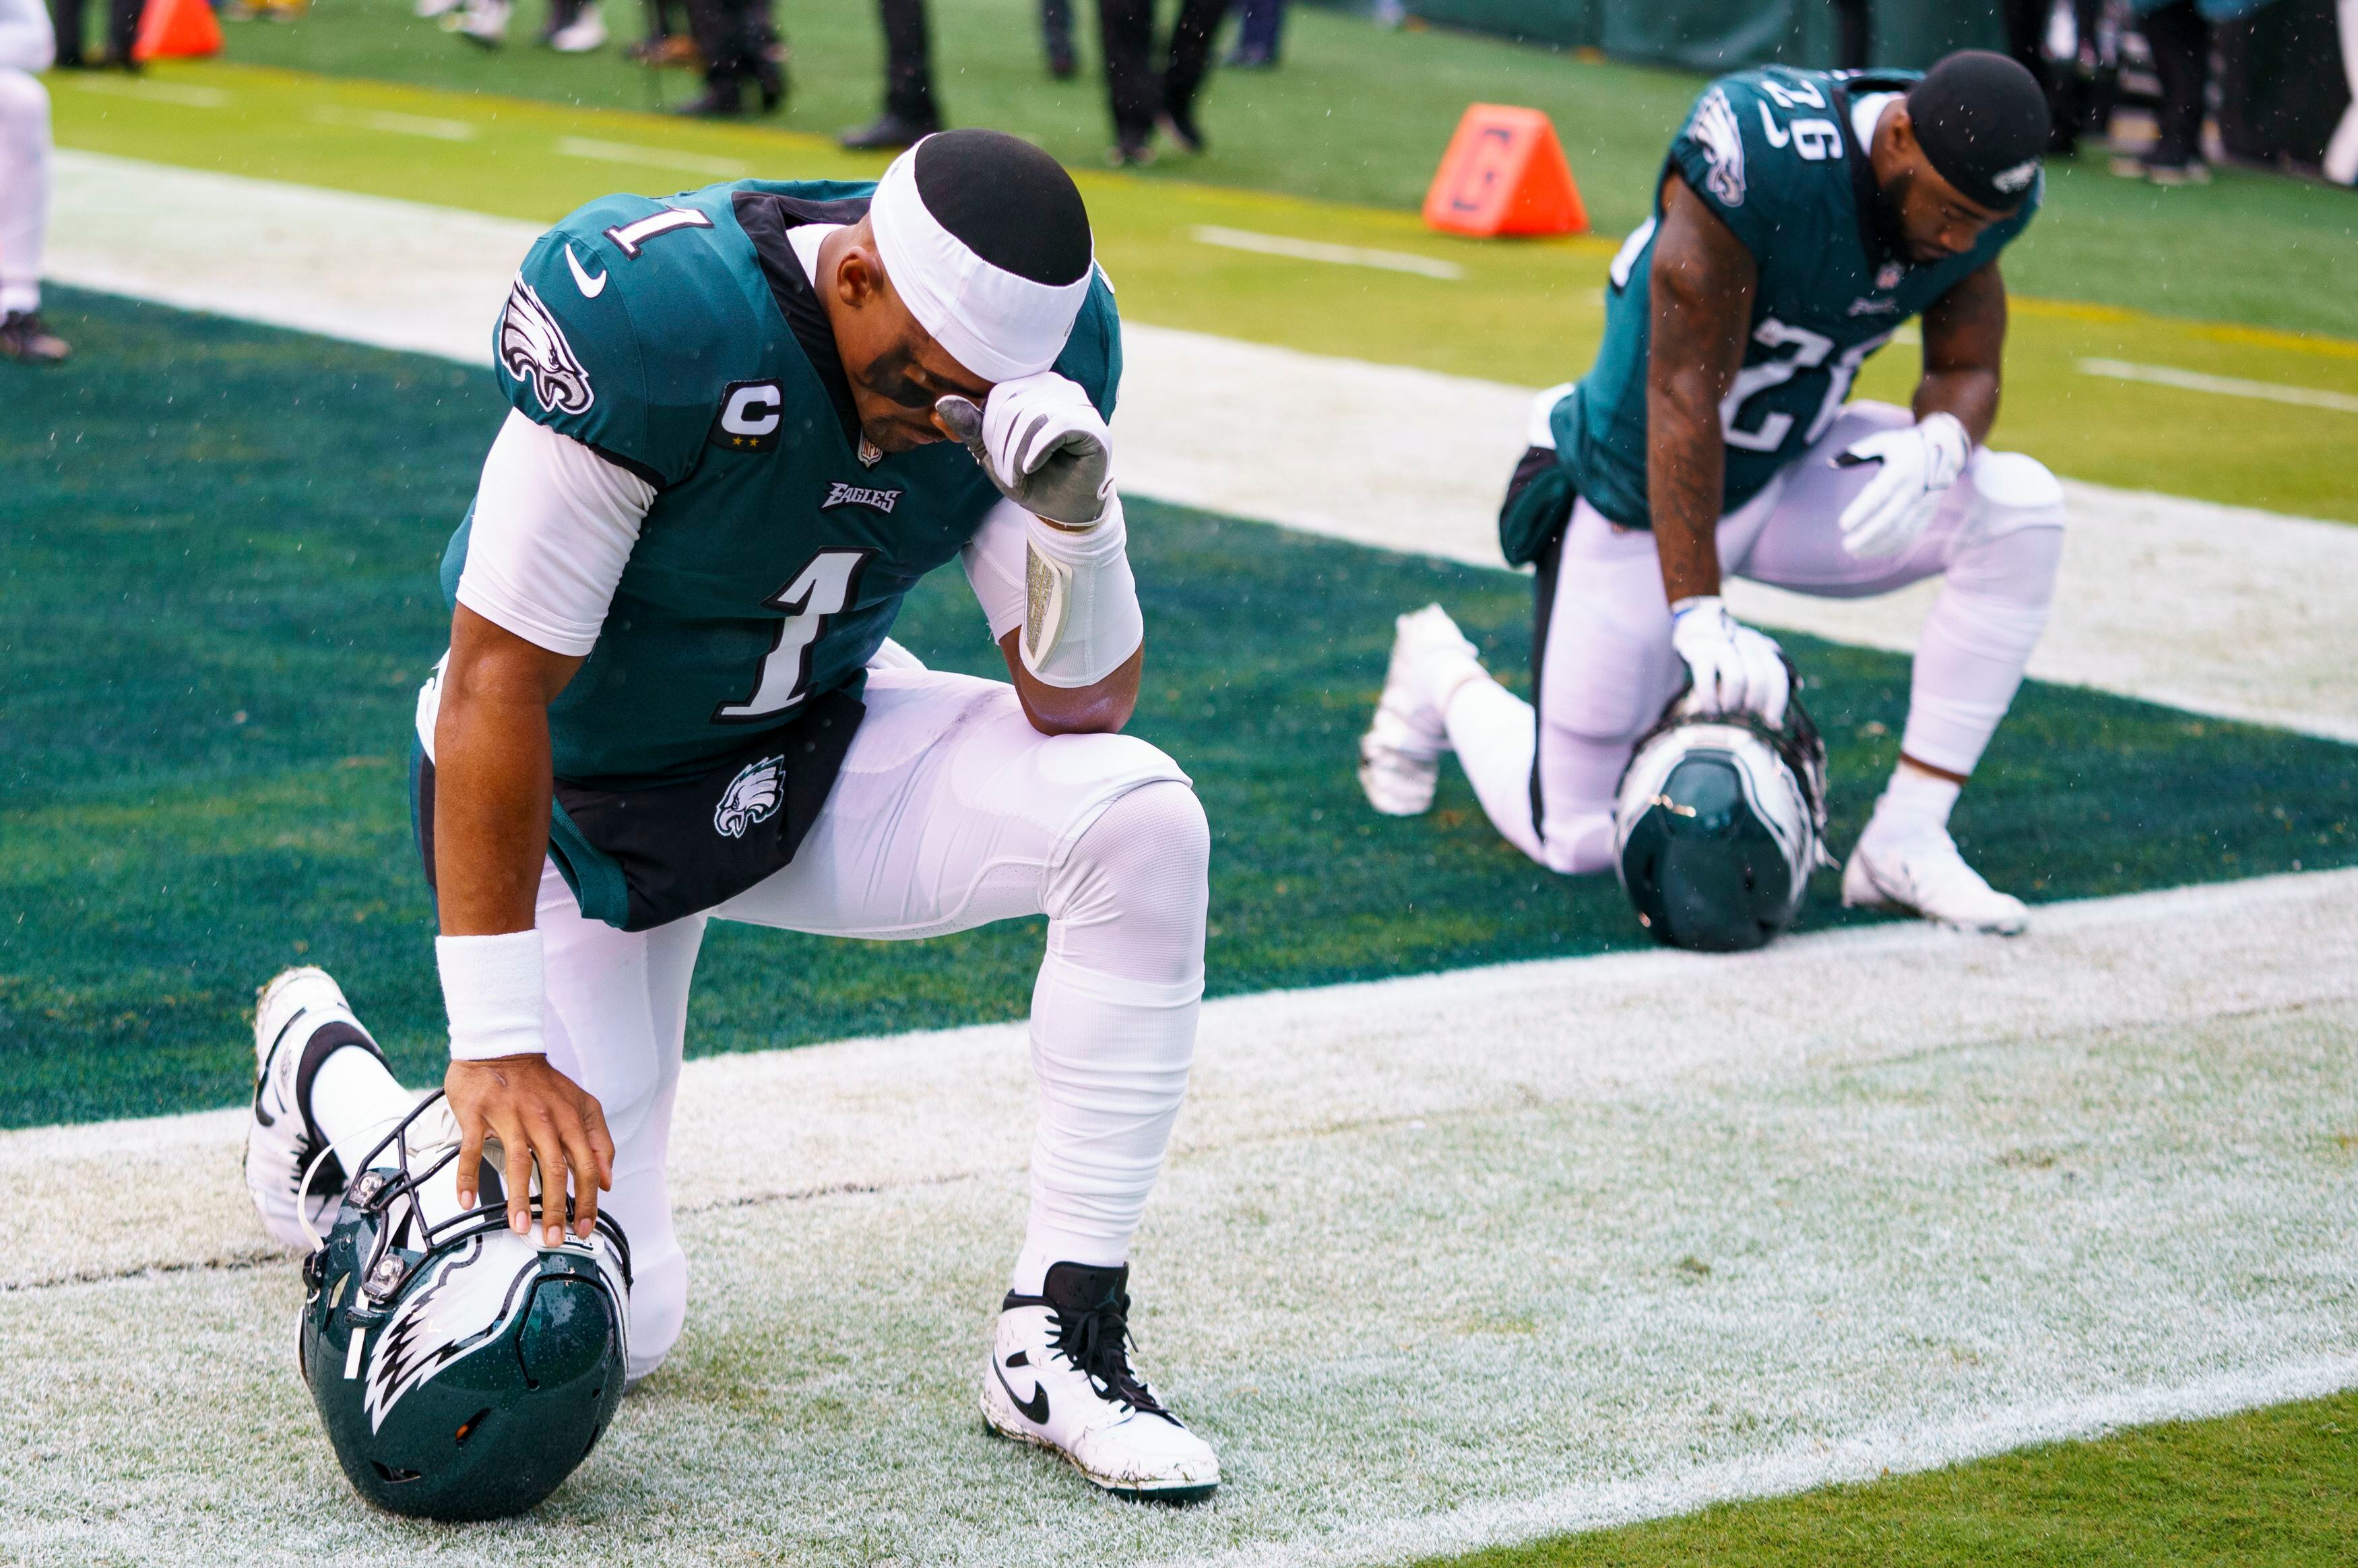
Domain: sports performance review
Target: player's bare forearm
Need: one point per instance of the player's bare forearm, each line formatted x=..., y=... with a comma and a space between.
x=492, y=776
x=1964, y=352
x=1702, y=284
x=1101, y=708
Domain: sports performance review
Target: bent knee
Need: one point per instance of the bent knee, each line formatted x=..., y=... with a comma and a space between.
x=1143, y=864
x=24, y=101
x=2014, y=482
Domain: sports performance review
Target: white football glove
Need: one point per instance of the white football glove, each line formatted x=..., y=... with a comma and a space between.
x=1043, y=443
x=1897, y=506
x=1735, y=669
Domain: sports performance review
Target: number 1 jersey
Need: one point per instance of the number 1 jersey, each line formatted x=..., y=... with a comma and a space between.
x=1774, y=154
x=682, y=340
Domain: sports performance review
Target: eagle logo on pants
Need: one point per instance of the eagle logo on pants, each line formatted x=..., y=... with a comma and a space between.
x=754, y=795
x=533, y=348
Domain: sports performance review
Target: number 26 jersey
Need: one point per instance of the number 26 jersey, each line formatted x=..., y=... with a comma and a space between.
x=1775, y=155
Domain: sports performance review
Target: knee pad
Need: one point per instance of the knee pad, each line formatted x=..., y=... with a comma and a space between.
x=2019, y=488
x=24, y=101
x=1130, y=897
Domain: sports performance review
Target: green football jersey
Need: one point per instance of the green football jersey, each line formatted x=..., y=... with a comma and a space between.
x=1773, y=153
x=682, y=340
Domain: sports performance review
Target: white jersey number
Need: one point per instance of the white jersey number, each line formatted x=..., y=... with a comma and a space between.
x=1810, y=351
x=821, y=591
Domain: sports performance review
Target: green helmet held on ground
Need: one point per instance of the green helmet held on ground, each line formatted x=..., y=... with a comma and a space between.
x=1719, y=821
x=462, y=1372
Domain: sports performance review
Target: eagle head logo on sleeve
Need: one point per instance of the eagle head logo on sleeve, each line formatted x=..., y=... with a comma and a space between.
x=754, y=795
x=533, y=348
x=1722, y=138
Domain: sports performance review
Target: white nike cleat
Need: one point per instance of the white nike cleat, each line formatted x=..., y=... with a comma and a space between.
x=1060, y=1378
x=1924, y=875
x=298, y=1019
x=1400, y=756
x=584, y=32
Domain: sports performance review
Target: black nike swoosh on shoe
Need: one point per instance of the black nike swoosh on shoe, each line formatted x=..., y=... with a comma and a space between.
x=1036, y=1410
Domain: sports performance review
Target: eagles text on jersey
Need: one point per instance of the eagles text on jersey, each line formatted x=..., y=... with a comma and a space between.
x=1775, y=157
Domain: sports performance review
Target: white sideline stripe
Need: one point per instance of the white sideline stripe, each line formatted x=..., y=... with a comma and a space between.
x=1319, y=250
x=637, y=157
x=394, y=123
x=183, y=93
x=1805, y=1467
x=1958, y=1195
x=905, y=1110
x=2221, y=386
x=2219, y=610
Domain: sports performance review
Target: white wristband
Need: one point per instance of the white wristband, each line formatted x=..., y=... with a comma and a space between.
x=493, y=988
x=1081, y=618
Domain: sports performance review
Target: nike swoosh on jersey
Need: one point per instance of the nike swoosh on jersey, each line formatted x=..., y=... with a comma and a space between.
x=591, y=286
x=1036, y=1410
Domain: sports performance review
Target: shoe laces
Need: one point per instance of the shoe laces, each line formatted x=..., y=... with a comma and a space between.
x=1097, y=1340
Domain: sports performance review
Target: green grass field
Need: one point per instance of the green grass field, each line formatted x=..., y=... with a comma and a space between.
x=2276, y=1487
x=214, y=635
x=210, y=675
x=1358, y=115
x=1526, y=313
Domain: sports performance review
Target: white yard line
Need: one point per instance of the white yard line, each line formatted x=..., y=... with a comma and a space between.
x=637, y=157
x=2221, y=386
x=1440, y=1262
x=1320, y=250
x=397, y=125
x=2220, y=610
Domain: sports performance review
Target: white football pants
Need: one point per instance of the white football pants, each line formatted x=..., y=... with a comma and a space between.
x=28, y=45
x=951, y=812
x=1609, y=669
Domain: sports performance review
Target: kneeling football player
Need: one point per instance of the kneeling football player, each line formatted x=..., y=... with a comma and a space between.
x=744, y=422
x=1800, y=218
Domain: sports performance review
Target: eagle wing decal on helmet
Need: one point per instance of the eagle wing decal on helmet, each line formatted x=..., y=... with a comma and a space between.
x=533, y=347
x=754, y=795
x=1715, y=129
x=486, y=1281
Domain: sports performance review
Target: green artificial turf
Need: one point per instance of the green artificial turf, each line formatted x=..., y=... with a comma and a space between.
x=1359, y=114
x=2271, y=1489
x=220, y=567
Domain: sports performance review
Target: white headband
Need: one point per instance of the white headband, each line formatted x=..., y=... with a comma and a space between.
x=994, y=323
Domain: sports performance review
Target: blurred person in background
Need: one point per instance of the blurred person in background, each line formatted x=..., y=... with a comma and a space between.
x=2056, y=41
x=1057, y=39
x=122, y=28
x=2342, y=152
x=1261, y=25
x=909, y=114
x=27, y=47
x=741, y=48
x=573, y=27
x=2177, y=35
x=1141, y=101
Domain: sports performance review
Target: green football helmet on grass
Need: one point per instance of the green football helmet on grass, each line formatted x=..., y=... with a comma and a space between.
x=1718, y=823
x=462, y=1370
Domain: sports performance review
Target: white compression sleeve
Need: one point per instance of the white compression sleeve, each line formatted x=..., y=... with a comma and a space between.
x=25, y=159
x=1113, y=1024
x=993, y=560
x=554, y=526
x=1081, y=613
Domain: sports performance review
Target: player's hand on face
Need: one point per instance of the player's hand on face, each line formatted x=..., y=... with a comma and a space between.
x=1918, y=461
x=1735, y=668
x=1043, y=443
x=539, y=1116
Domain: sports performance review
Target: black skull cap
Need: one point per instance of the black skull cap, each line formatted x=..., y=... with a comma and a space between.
x=1007, y=202
x=1982, y=121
